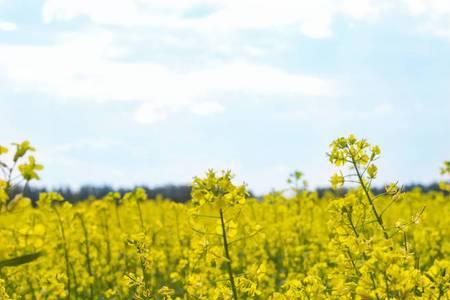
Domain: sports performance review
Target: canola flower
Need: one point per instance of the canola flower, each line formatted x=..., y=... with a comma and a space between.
x=224, y=244
x=445, y=171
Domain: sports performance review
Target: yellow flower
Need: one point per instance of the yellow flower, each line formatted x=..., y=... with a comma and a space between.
x=337, y=181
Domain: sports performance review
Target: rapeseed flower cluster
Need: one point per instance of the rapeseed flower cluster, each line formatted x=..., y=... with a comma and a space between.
x=224, y=244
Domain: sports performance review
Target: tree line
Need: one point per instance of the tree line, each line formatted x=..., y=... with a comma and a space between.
x=177, y=193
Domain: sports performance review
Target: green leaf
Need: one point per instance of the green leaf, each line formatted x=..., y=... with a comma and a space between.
x=20, y=260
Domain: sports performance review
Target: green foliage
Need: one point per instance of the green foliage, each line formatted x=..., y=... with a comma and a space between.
x=445, y=170
x=20, y=260
x=9, y=180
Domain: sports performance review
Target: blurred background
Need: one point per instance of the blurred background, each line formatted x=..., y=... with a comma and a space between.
x=137, y=92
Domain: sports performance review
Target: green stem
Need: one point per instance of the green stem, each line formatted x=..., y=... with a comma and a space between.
x=119, y=224
x=374, y=284
x=142, y=260
x=405, y=242
x=141, y=219
x=227, y=255
x=352, y=225
x=75, y=280
x=369, y=198
x=107, y=238
x=87, y=254
x=353, y=263
x=66, y=253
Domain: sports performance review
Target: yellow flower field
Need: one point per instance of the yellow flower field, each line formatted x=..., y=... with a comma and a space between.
x=226, y=245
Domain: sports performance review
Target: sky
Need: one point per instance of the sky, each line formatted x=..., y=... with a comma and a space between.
x=130, y=92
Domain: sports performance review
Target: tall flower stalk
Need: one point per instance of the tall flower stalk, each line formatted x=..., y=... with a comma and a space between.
x=359, y=155
x=218, y=192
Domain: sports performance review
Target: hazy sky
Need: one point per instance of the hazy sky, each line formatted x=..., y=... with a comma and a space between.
x=157, y=91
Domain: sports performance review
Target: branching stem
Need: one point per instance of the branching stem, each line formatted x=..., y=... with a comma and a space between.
x=227, y=255
x=369, y=198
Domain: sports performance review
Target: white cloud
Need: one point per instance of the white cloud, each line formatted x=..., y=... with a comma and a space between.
x=362, y=9
x=431, y=7
x=149, y=113
x=435, y=13
x=416, y=7
x=101, y=11
x=206, y=108
x=89, y=66
x=7, y=26
x=312, y=18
